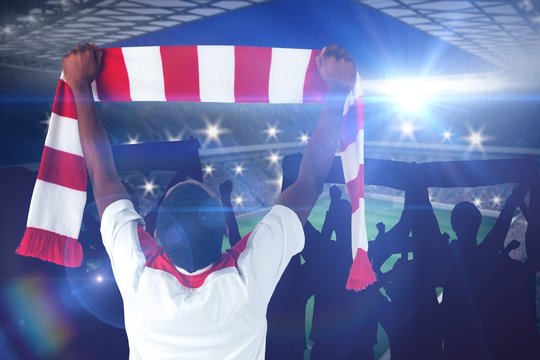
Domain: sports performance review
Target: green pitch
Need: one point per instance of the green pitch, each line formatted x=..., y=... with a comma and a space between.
x=376, y=210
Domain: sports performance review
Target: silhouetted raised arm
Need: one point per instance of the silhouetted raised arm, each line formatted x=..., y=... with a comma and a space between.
x=225, y=190
x=494, y=241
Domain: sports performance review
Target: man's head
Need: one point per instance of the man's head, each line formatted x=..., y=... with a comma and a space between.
x=190, y=225
x=466, y=219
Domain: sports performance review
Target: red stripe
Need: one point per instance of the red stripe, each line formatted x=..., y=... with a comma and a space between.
x=64, y=102
x=181, y=73
x=314, y=86
x=50, y=246
x=62, y=168
x=251, y=73
x=113, y=81
x=352, y=123
x=355, y=188
x=157, y=259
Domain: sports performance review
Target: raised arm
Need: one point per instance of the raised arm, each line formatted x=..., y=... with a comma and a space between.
x=81, y=66
x=494, y=241
x=337, y=69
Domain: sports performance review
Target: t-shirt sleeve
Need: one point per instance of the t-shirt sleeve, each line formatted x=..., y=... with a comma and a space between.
x=119, y=233
x=274, y=241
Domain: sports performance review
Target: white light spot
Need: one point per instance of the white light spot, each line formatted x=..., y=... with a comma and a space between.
x=496, y=200
x=274, y=158
x=208, y=169
x=407, y=129
x=272, y=132
x=477, y=202
x=213, y=131
x=476, y=139
x=149, y=187
x=238, y=169
x=238, y=200
x=304, y=138
x=99, y=278
x=446, y=135
x=133, y=139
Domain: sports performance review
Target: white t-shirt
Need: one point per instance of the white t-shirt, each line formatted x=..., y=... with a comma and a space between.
x=217, y=313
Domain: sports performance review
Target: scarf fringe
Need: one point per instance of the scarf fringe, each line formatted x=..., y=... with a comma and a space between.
x=361, y=274
x=49, y=246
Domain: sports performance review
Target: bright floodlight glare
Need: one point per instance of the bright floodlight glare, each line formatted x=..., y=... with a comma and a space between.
x=407, y=129
x=149, y=187
x=99, y=278
x=477, y=202
x=238, y=200
x=446, y=135
x=171, y=137
x=208, y=169
x=410, y=95
x=274, y=158
x=476, y=139
x=271, y=132
x=133, y=139
x=304, y=138
x=213, y=131
x=496, y=200
x=238, y=169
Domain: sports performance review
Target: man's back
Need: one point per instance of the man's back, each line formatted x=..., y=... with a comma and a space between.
x=215, y=313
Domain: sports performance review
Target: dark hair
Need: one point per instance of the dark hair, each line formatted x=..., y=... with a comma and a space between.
x=190, y=226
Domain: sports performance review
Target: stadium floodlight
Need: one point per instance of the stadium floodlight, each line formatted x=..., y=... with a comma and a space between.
x=496, y=200
x=304, y=138
x=410, y=95
x=274, y=158
x=271, y=132
x=149, y=187
x=133, y=139
x=171, y=137
x=99, y=278
x=212, y=132
x=208, y=169
x=238, y=169
x=238, y=200
x=407, y=129
x=446, y=135
x=477, y=202
x=476, y=139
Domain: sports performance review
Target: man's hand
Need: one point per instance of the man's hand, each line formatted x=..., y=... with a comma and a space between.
x=82, y=65
x=225, y=188
x=335, y=193
x=337, y=69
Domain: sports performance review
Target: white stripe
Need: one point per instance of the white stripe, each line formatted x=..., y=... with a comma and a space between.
x=63, y=135
x=145, y=73
x=352, y=157
x=287, y=75
x=216, y=73
x=358, y=225
x=51, y=203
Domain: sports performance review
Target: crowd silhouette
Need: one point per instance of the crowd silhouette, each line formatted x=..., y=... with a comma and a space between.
x=443, y=298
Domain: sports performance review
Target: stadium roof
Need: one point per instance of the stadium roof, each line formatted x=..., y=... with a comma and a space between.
x=36, y=33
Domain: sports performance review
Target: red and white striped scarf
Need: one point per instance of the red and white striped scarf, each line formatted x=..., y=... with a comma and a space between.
x=183, y=73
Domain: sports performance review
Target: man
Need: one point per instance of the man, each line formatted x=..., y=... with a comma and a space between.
x=184, y=300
